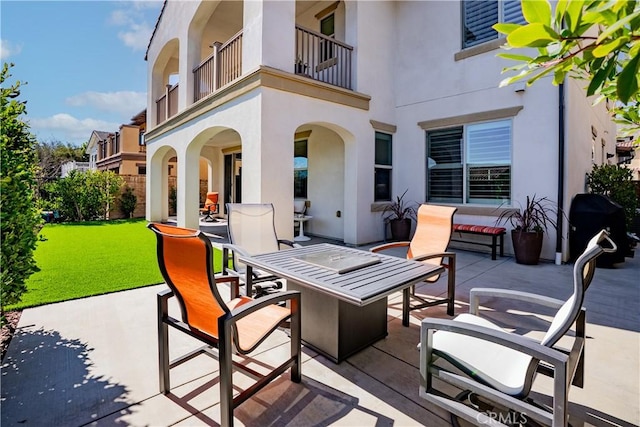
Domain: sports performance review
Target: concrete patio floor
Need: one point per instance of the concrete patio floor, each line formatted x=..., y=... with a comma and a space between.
x=93, y=361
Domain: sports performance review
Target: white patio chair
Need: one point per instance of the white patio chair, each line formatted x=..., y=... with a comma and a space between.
x=251, y=231
x=497, y=367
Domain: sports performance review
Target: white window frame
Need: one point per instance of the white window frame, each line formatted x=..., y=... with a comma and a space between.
x=388, y=167
x=501, y=18
x=464, y=150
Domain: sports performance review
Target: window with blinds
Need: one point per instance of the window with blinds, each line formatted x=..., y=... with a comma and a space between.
x=478, y=16
x=488, y=162
x=383, y=167
x=470, y=164
x=444, y=165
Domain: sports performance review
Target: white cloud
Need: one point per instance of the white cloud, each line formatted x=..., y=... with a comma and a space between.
x=66, y=128
x=137, y=37
x=8, y=49
x=124, y=103
x=138, y=19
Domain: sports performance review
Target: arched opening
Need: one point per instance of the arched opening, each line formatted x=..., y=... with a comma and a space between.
x=165, y=82
x=319, y=177
x=218, y=151
x=215, y=34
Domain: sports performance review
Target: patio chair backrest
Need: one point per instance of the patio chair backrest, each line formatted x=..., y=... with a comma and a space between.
x=212, y=199
x=583, y=271
x=433, y=231
x=185, y=258
x=251, y=226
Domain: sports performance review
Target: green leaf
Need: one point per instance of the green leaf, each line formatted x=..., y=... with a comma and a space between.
x=573, y=15
x=628, y=80
x=537, y=11
x=513, y=79
x=599, y=77
x=532, y=35
x=514, y=57
x=606, y=48
x=617, y=25
x=561, y=8
x=506, y=27
x=634, y=49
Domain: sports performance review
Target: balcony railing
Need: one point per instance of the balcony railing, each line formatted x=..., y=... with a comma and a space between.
x=323, y=58
x=167, y=104
x=223, y=66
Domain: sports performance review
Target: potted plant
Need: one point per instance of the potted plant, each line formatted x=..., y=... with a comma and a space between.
x=399, y=215
x=529, y=225
x=301, y=67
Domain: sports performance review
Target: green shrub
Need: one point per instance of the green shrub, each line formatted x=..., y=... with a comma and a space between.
x=173, y=200
x=86, y=196
x=615, y=182
x=18, y=212
x=128, y=202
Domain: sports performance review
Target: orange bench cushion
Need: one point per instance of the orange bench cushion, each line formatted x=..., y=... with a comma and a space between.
x=480, y=229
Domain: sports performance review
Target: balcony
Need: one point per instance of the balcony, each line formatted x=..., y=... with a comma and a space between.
x=323, y=58
x=318, y=57
x=167, y=104
x=223, y=66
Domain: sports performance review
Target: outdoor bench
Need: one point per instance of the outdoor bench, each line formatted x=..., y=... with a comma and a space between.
x=482, y=230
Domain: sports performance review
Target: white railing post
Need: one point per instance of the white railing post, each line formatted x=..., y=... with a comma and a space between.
x=216, y=65
x=166, y=101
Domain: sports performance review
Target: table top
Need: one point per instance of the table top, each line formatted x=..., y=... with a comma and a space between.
x=361, y=286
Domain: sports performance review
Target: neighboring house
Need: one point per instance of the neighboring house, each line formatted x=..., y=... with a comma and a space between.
x=628, y=151
x=347, y=104
x=123, y=151
x=67, y=167
x=92, y=147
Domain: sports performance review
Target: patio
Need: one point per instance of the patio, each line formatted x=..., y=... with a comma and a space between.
x=94, y=360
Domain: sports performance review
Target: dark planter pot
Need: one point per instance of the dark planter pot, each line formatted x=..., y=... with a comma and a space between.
x=400, y=229
x=527, y=246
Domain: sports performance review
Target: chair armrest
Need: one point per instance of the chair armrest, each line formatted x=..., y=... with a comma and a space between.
x=288, y=243
x=235, y=248
x=506, y=339
x=389, y=246
x=450, y=255
x=165, y=293
x=257, y=304
x=476, y=293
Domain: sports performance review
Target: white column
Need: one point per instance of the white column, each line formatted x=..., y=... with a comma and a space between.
x=268, y=36
x=188, y=187
x=157, y=187
x=267, y=168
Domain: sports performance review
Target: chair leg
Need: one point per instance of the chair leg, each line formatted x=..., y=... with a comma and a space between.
x=163, y=346
x=451, y=285
x=226, y=373
x=296, y=340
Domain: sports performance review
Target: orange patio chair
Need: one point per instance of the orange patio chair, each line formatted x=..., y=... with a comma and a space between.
x=239, y=325
x=211, y=206
x=429, y=244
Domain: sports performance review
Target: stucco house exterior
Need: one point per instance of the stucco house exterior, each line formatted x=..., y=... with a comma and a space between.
x=348, y=104
x=122, y=151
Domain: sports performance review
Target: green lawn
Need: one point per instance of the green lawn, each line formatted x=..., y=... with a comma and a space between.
x=83, y=259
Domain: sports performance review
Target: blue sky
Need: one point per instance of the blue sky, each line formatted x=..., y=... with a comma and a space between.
x=83, y=62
